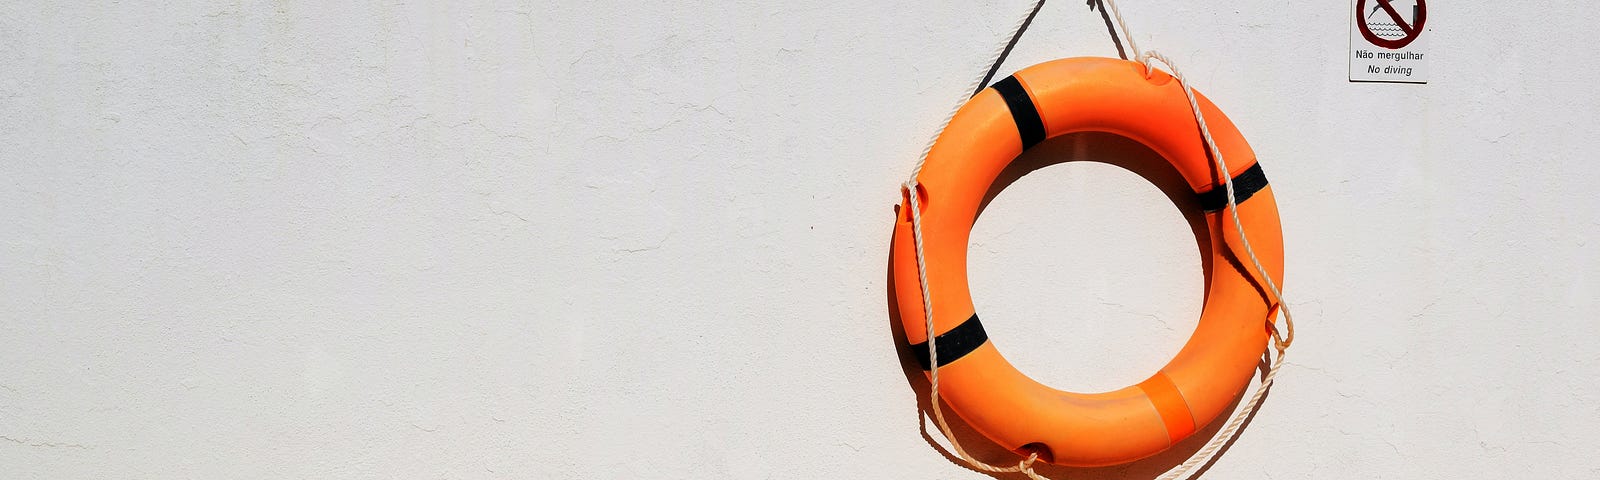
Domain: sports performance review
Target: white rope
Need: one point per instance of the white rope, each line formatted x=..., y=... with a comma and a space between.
x=1280, y=342
x=1227, y=182
x=1025, y=466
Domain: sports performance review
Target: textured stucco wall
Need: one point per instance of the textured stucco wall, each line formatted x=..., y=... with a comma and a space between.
x=649, y=239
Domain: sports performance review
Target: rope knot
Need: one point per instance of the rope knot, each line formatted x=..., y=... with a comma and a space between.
x=1144, y=58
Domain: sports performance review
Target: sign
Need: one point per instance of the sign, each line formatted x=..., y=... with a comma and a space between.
x=1388, y=41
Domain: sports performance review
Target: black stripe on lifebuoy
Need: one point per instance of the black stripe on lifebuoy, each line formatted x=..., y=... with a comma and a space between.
x=954, y=344
x=1244, y=185
x=1029, y=126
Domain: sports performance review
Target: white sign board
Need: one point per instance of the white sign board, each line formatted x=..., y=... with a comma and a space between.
x=1389, y=41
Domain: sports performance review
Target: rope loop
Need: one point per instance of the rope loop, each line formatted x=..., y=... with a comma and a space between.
x=1144, y=58
x=1281, y=338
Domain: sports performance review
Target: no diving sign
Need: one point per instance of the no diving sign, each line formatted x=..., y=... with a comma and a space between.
x=1389, y=41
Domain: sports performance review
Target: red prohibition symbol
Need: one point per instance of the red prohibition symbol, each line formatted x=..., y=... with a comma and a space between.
x=1411, y=31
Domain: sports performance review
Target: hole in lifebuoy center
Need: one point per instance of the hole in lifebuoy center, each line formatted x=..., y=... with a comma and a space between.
x=1086, y=275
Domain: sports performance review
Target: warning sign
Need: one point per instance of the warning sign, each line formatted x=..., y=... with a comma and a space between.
x=1388, y=41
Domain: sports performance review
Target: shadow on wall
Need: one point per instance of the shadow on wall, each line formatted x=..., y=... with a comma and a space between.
x=1135, y=157
x=1110, y=28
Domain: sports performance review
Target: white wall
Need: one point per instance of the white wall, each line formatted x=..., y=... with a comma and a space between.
x=647, y=239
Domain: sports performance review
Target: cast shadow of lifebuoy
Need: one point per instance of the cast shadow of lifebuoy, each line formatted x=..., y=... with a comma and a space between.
x=1135, y=157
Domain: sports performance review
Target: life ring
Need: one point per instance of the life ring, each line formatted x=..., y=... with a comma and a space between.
x=1212, y=369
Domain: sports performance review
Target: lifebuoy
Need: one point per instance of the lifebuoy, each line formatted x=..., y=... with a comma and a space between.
x=986, y=134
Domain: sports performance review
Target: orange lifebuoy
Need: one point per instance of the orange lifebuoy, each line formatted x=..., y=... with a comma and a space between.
x=1213, y=368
